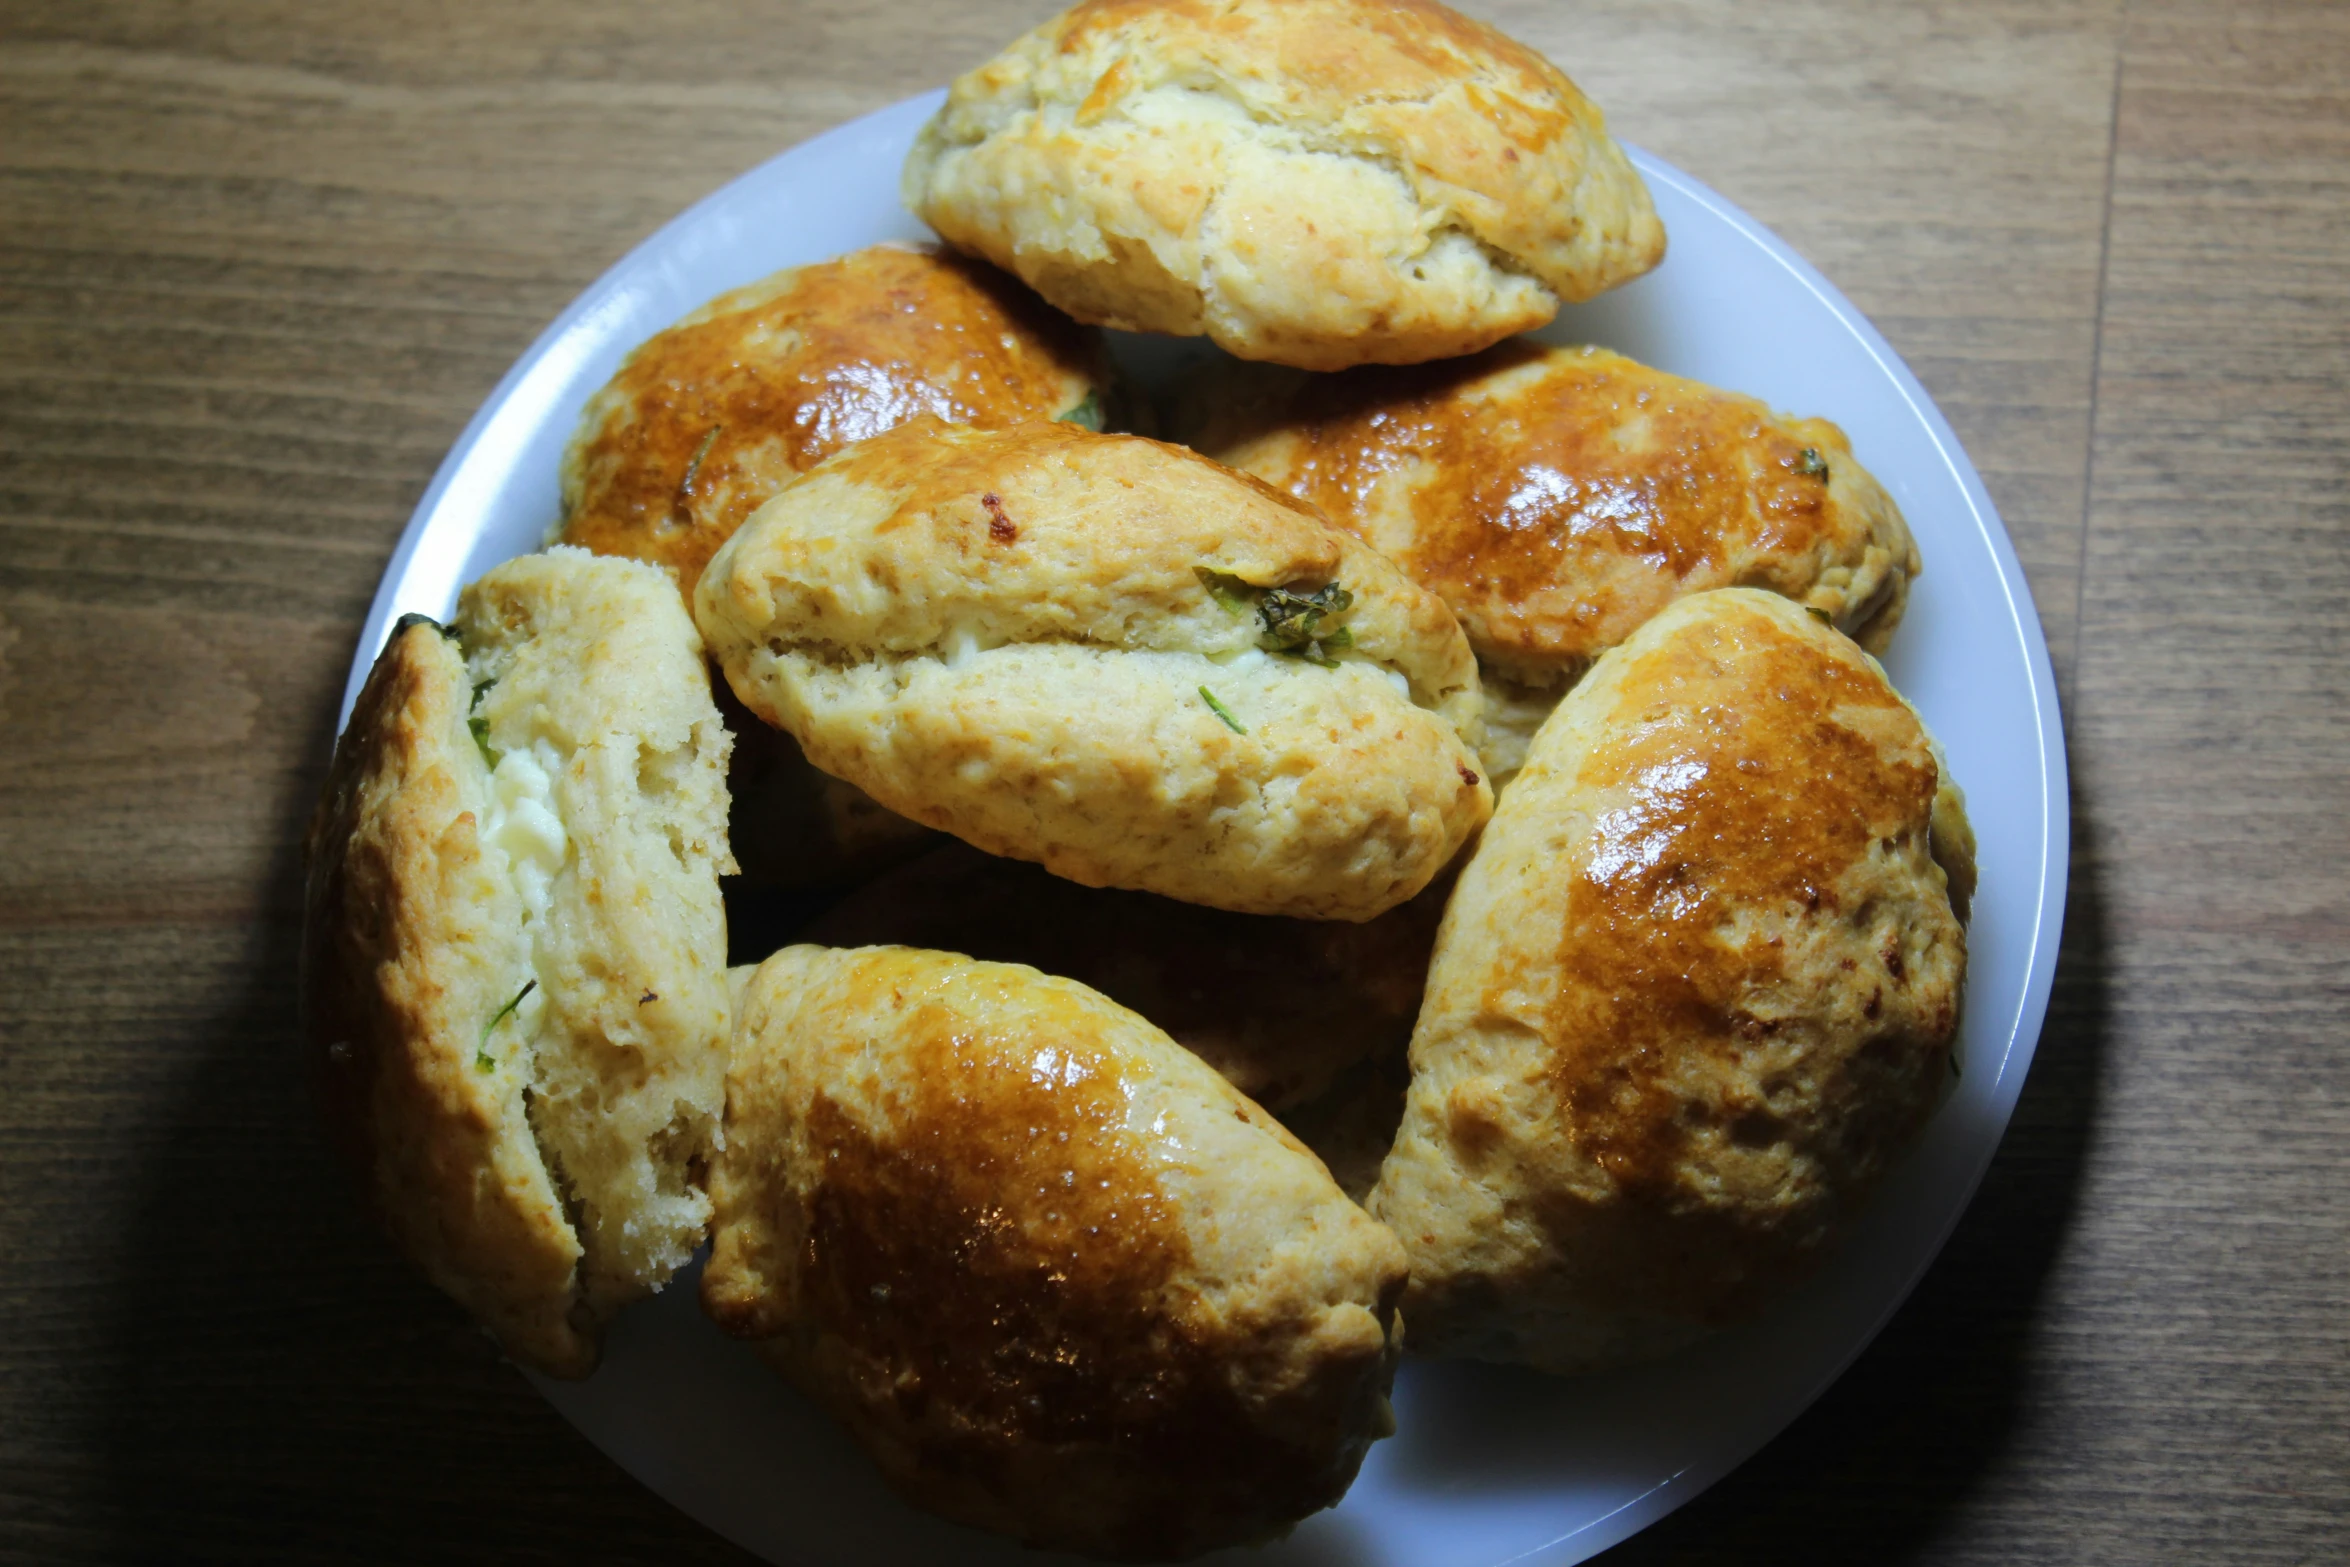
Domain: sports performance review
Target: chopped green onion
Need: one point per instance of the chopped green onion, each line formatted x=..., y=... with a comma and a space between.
x=1087, y=415
x=1812, y=465
x=481, y=1056
x=479, y=726
x=1293, y=620
x=1221, y=711
x=1235, y=597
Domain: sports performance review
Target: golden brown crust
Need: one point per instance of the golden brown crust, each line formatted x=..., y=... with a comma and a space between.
x=1279, y=1007
x=404, y=934
x=1697, y=991
x=1058, y=1279
x=1007, y=635
x=711, y=417
x=1556, y=498
x=1311, y=182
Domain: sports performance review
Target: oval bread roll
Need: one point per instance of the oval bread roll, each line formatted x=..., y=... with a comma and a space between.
x=1318, y=183
x=1696, y=991
x=1054, y=645
x=708, y=419
x=1059, y=1279
x=1556, y=498
x=514, y=945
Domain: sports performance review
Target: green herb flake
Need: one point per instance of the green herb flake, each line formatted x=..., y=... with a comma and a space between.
x=482, y=1062
x=1087, y=415
x=1811, y=464
x=1221, y=711
x=1294, y=621
x=1235, y=597
x=1819, y=614
x=479, y=727
x=504, y=1013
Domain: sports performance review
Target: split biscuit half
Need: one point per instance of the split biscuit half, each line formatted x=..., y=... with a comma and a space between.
x=514, y=946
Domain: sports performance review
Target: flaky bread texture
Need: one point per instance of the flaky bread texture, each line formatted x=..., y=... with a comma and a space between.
x=1318, y=183
x=514, y=947
x=709, y=418
x=412, y=941
x=1696, y=992
x=590, y=667
x=1556, y=498
x=1059, y=1279
x=1006, y=635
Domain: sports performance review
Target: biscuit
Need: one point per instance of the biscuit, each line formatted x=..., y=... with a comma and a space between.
x=514, y=945
x=1279, y=1007
x=1556, y=498
x=1697, y=990
x=1057, y=1278
x=1318, y=183
x=1111, y=657
x=708, y=419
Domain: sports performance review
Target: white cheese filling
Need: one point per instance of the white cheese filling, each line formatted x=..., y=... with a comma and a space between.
x=525, y=840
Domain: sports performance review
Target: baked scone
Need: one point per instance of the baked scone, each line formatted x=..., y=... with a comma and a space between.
x=1112, y=657
x=514, y=946
x=1058, y=1278
x=1279, y=1007
x=711, y=417
x=1696, y=991
x=1318, y=183
x=1556, y=498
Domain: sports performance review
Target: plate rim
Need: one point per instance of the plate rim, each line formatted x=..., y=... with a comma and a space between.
x=2028, y=1020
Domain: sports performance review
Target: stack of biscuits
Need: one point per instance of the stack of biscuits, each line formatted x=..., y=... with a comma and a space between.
x=1431, y=849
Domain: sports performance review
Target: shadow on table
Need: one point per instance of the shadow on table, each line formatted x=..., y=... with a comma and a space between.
x=283, y=1388
x=1874, y=1470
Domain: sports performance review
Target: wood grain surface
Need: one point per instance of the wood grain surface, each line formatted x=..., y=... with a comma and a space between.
x=260, y=260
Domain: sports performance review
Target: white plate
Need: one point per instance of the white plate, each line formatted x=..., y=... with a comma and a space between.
x=1489, y=1466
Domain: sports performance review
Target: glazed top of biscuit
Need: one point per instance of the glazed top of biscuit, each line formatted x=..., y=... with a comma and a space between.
x=1558, y=498
x=1746, y=775
x=707, y=419
x=978, y=1299
x=1030, y=1218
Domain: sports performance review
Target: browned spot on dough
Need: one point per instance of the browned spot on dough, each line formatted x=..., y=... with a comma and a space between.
x=999, y=526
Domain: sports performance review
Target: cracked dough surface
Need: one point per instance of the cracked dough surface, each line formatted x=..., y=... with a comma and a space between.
x=1319, y=183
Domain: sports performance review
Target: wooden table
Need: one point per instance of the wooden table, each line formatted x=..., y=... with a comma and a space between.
x=258, y=263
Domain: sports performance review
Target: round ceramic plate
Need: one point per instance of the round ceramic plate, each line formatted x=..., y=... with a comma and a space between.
x=1488, y=1465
